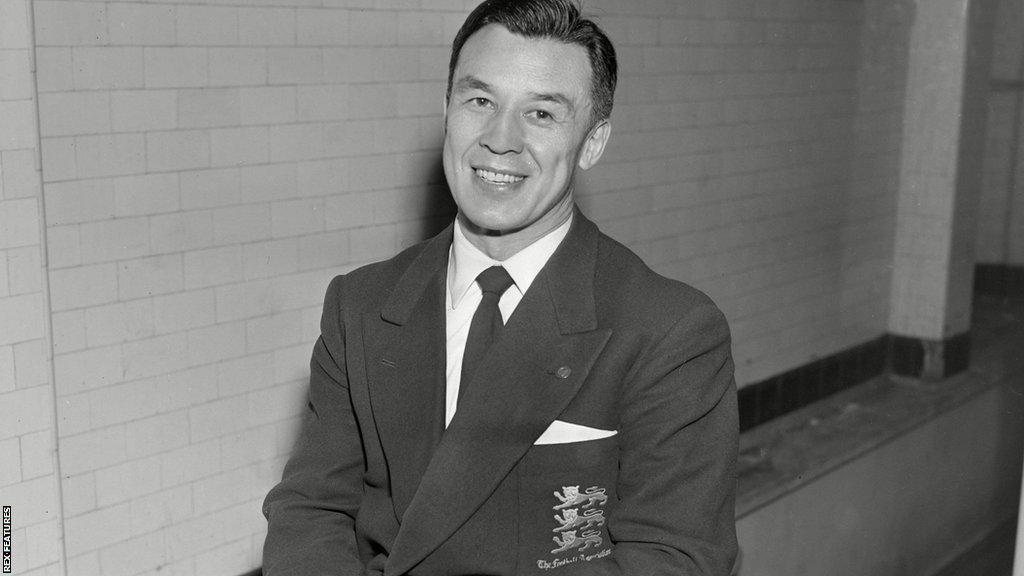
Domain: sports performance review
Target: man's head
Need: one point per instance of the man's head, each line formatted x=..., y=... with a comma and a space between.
x=525, y=108
x=554, y=19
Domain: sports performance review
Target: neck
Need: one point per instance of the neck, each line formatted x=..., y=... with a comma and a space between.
x=501, y=246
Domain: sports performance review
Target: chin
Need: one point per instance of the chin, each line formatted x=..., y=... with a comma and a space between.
x=493, y=225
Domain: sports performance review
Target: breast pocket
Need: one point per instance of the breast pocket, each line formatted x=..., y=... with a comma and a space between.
x=566, y=494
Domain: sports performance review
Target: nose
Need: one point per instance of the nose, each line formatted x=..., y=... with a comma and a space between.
x=503, y=134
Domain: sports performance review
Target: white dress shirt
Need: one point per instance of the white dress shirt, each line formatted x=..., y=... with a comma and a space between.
x=465, y=263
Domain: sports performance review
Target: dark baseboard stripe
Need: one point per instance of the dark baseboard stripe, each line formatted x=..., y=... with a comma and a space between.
x=256, y=572
x=999, y=279
x=929, y=359
x=915, y=357
x=762, y=401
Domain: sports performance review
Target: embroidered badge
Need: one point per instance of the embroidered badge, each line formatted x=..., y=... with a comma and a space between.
x=570, y=541
x=571, y=521
x=571, y=497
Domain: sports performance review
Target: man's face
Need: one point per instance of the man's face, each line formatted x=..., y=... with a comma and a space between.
x=518, y=123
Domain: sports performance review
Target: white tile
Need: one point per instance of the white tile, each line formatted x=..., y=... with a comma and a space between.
x=322, y=27
x=14, y=69
x=269, y=105
x=118, y=322
x=294, y=65
x=24, y=270
x=297, y=217
x=79, y=491
x=239, y=146
x=79, y=201
x=23, y=318
x=182, y=231
x=31, y=363
x=14, y=25
x=216, y=343
x=207, y=25
x=20, y=174
x=149, y=276
x=63, y=247
x=77, y=372
x=119, y=239
x=212, y=267
x=110, y=155
x=53, y=69
x=243, y=223
x=70, y=23
x=157, y=434
x=10, y=461
x=266, y=26
x=127, y=481
x=184, y=310
x=144, y=110
x=19, y=125
x=145, y=195
x=141, y=25
x=210, y=188
x=139, y=555
x=177, y=150
x=19, y=222
x=107, y=67
x=175, y=67
x=155, y=356
x=208, y=107
x=94, y=530
x=232, y=66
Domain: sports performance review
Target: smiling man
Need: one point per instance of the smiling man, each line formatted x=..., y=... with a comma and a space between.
x=519, y=394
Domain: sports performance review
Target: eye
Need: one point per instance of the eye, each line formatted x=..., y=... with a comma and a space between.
x=541, y=115
x=480, y=102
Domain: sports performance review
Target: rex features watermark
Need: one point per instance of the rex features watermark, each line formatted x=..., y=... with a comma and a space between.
x=7, y=540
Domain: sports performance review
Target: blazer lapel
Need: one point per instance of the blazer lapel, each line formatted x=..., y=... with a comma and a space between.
x=406, y=366
x=528, y=377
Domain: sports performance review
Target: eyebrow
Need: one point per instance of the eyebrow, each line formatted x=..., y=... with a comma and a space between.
x=470, y=82
x=554, y=98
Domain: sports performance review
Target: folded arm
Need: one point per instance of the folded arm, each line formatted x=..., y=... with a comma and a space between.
x=311, y=513
x=678, y=446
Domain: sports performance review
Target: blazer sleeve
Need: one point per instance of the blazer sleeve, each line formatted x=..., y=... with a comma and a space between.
x=678, y=449
x=311, y=512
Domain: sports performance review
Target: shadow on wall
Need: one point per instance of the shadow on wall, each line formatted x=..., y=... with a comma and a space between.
x=439, y=207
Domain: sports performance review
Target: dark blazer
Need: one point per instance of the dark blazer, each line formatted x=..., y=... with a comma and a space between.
x=376, y=485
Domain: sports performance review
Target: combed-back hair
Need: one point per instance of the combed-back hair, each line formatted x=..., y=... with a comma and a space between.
x=554, y=19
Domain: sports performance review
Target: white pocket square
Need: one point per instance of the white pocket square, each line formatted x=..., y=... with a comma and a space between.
x=564, y=432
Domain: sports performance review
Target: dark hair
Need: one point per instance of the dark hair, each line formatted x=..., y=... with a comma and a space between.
x=556, y=20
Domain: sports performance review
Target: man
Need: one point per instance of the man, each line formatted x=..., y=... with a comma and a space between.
x=520, y=394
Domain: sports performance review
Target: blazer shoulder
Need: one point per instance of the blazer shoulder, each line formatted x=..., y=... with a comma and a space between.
x=372, y=283
x=627, y=284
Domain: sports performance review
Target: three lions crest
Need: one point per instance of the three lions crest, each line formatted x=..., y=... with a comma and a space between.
x=570, y=521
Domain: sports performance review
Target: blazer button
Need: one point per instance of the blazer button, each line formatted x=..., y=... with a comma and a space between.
x=563, y=372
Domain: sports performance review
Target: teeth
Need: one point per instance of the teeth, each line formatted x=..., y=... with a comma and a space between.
x=497, y=177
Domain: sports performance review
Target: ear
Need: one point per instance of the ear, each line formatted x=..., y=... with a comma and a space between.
x=444, y=114
x=594, y=145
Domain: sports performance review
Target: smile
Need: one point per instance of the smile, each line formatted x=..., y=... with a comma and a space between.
x=498, y=177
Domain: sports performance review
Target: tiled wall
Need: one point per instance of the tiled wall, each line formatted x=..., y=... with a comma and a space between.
x=207, y=167
x=732, y=166
x=1001, y=214
x=28, y=475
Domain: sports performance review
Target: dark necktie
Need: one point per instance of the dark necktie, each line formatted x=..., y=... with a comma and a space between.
x=486, y=324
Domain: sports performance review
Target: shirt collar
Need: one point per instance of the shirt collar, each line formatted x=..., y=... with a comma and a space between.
x=466, y=261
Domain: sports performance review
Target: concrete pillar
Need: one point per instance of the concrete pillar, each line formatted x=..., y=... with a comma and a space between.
x=940, y=175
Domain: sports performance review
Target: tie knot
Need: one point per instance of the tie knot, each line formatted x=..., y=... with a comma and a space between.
x=494, y=280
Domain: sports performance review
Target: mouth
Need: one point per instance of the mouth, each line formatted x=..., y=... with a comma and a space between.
x=494, y=177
